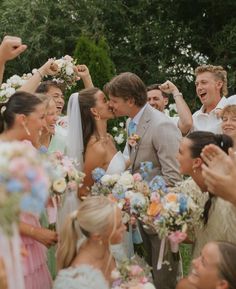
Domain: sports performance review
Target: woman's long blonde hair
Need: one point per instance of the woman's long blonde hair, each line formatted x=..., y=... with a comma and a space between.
x=95, y=215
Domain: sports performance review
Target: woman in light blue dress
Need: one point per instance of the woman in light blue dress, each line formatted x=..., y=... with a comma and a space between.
x=84, y=260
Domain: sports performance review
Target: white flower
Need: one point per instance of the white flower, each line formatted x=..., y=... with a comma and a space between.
x=129, y=194
x=172, y=106
x=59, y=185
x=69, y=70
x=126, y=180
x=115, y=274
x=9, y=91
x=138, y=199
x=110, y=179
x=121, y=124
x=115, y=128
x=119, y=139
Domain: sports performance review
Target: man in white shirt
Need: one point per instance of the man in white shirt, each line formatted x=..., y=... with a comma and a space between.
x=211, y=88
x=157, y=98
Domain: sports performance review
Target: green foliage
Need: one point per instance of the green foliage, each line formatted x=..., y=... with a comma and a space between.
x=156, y=39
x=96, y=57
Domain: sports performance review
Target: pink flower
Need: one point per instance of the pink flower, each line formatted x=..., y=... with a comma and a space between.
x=177, y=236
x=135, y=270
x=144, y=280
x=137, y=177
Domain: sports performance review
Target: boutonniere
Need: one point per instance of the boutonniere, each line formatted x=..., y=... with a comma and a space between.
x=133, y=139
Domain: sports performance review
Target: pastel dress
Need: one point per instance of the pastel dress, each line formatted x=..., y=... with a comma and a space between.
x=35, y=269
x=124, y=250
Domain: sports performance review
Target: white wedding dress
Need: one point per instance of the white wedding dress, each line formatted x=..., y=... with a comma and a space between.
x=124, y=250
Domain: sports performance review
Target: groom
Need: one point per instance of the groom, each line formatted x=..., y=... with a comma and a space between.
x=158, y=143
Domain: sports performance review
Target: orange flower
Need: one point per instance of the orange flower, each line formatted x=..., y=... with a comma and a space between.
x=171, y=197
x=154, y=209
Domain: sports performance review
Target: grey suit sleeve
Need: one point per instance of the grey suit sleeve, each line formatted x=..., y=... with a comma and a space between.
x=166, y=140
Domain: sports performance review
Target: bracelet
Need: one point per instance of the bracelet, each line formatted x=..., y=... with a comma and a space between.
x=177, y=94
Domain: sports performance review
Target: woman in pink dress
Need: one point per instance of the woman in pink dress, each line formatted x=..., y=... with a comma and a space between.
x=23, y=118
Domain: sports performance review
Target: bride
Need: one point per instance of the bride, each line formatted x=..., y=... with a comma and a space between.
x=88, y=139
x=93, y=147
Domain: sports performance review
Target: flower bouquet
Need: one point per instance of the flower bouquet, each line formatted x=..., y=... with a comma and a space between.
x=130, y=274
x=128, y=190
x=11, y=85
x=24, y=187
x=65, y=179
x=66, y=72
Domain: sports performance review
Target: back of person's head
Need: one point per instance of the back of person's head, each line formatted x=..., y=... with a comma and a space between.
x=200, y=139
x=219, y=74
x=127, y=85
x=19, y=103
x=87, y=100
x=227, y=264
x=45, y=86
x=94, y=216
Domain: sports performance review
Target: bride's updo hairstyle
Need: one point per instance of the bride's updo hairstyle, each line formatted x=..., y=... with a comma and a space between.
x=87, y=101
x=19, y=103
x=199, y=139
x=94, y=216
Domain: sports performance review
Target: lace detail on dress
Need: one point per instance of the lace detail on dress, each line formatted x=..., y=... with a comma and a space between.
x=81, y=277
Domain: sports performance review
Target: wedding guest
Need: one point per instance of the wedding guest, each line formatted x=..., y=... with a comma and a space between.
x=84, y=258
x=211, y=88
x=216, y=210
x=213, y=269
x=10, y=48
x=228, y=116
x=23, y=118
x=156, y=98
x=219, y=172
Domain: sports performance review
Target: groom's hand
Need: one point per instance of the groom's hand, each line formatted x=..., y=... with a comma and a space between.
x=10, y=48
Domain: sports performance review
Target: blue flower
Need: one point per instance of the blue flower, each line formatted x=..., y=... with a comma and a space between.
x=97, y=174
x=183, y=203
x=31, y=174
x=43, y=150
x=14, y=186
x=30, y=204
x=158, y=183
x=145, y=169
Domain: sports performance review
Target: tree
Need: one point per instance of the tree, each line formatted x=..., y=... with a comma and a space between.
x=96, y=57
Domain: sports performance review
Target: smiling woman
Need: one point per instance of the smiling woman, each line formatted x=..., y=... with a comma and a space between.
x=214, y=268
x=22, y=118
x=228, y=116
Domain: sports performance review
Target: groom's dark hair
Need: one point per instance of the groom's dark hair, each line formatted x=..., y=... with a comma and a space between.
x=127, y=85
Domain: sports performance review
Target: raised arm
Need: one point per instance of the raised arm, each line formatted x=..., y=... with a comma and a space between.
x=82, y=71
x=49, y=68
x=10, y=48
x=185, y=122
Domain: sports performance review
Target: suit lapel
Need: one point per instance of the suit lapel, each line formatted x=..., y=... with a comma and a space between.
x=143, y=125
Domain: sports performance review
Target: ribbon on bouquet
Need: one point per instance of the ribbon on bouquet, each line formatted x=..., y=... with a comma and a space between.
x=161, y=254
x=52, y=209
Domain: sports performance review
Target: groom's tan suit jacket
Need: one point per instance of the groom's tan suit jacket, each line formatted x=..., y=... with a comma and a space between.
x=159, y=143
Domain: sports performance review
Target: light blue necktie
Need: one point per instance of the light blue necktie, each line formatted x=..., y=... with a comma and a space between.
x=132, y=127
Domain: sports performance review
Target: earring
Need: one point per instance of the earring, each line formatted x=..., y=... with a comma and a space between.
x=194, y=171
x=26, y=129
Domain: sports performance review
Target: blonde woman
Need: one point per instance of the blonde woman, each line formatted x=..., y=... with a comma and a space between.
x=228, y=125
x=83, y=258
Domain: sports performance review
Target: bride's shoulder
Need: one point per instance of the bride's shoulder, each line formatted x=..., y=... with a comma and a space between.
x=95, y=146
x=83, y=277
